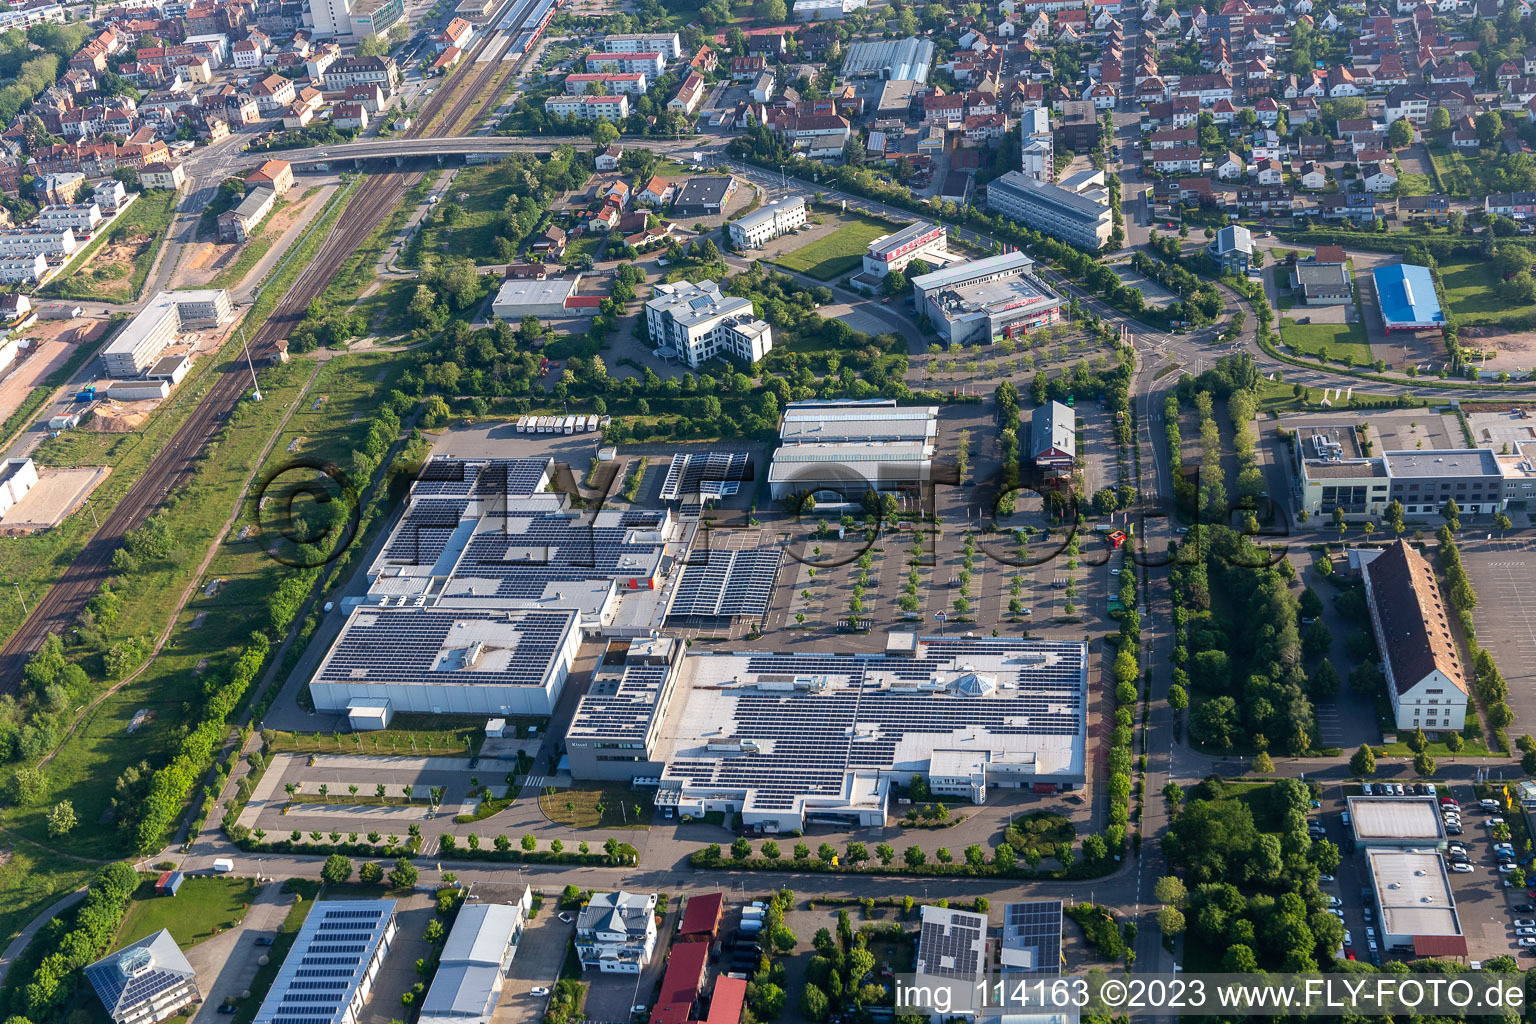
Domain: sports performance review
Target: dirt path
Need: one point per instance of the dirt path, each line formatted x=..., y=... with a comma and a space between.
x=55, y=343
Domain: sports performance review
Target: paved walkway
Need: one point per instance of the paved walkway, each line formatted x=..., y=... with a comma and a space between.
x=24, y=937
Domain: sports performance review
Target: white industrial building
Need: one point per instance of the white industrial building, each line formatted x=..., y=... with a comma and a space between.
x=789, y=739
x=1404, y=821
x=1415, y=908
x=440, y=660
x=986, y=300
x=699, y=322
x=835, y=451
x=546, y=299
x=145, y=982
x=139, y=344
x=37, y=241
x=334, y=962
x=616, y=932
x=17, y=477
x=474, y=962
x=486, y=534
x=779, y=217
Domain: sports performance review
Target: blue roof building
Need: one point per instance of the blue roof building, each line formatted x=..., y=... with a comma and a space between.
x=145, y=982
x=1406, y=295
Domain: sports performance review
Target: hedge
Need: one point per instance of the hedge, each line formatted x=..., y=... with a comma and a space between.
x=1081, y=869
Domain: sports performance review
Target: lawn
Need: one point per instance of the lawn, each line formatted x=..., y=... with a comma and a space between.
x=437, y=740
x=201, y=908
x=836, y=254
x=32, y=880
x=600, y=807
x=1340, y=342
x=1470, y=294
x=1458, y=174
x=486, y=190
x=149, y=215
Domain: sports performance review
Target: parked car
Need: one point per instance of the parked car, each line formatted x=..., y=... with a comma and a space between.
x=1506, y=867
x=1524, y=922
x=1525, y=931
x=1527, y=942
x=227, y=1007
x=1326, y=878
x=538, y=990
x=263, y=940
x=1462, y=868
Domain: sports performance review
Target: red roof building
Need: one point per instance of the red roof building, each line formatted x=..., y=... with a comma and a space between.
x=701, y=918
x=726, y=1003
x=681, y=984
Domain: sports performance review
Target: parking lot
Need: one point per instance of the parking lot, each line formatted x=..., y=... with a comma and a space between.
x=1505, y=616
x=1486, y=908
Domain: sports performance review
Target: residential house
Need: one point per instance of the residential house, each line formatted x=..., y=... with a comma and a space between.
x=1232, y=249
x=616, y=932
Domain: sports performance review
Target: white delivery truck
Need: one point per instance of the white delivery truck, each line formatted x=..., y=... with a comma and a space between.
x=223, y=865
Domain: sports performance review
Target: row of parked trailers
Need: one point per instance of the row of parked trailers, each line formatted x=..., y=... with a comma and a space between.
x=558, y=424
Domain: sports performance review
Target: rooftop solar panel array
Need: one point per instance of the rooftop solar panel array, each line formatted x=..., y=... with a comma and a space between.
x=486, y=478
x=808, y=742
x=1035, y=929
x=626, y=713
x=136, y=974
x=406, y=646
x=524, y=551
x=317, y=982
x=711, y=474
x=951, y=943
x=425, y=530
x=729, y=583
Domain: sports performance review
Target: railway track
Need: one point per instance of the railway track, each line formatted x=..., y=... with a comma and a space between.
x=176, y=463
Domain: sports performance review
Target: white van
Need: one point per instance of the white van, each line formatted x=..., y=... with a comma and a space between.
x=223, y=865
x=522, y=424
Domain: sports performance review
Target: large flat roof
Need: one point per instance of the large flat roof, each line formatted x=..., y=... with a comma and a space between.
x=153, y=315
x=1396, y=818
x=882, y=247
x=524, y=291
x=841, y=422
x=468, y=979
x=1406, y=295
x=1070, y=204
x=959, y=273
x=894, y=59
x=1441, y=462
x=1413, y=893
x=779, y=729
x=447, y=646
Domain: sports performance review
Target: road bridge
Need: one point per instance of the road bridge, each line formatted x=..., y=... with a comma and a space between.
x=482, y=146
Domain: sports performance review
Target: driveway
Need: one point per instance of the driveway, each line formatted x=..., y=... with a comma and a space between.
x=226, y=964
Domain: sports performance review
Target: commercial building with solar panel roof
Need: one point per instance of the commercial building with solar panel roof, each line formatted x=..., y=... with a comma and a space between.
x=487, y=534
x=147, y=981
x=786, y=739
x=331, y=968
x=449, y=660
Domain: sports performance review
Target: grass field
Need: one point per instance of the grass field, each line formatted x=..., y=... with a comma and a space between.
x=835, y=254
x=149, y=215
x=32, y=879
x=440, y=735
x=1470, y=294
x=255, y=248
x=603, y=807
x=201, y=908
x=1339, y=342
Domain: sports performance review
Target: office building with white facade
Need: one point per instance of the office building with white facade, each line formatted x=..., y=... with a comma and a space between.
x=779, y=217
x=1061, y=213
x=698, y=322
x=143, y=338
x=893, y=252
x=986, y=300
x=145, y=982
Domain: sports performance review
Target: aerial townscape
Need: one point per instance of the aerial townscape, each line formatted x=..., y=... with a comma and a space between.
x=707, y=511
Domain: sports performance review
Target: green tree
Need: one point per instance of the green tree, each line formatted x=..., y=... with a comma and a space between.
x=814, y=1004
x=1423, y=764
x=61, y=820
x=404, y=874
x=1363, y=761
x=370, y=873
x=336, y=870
